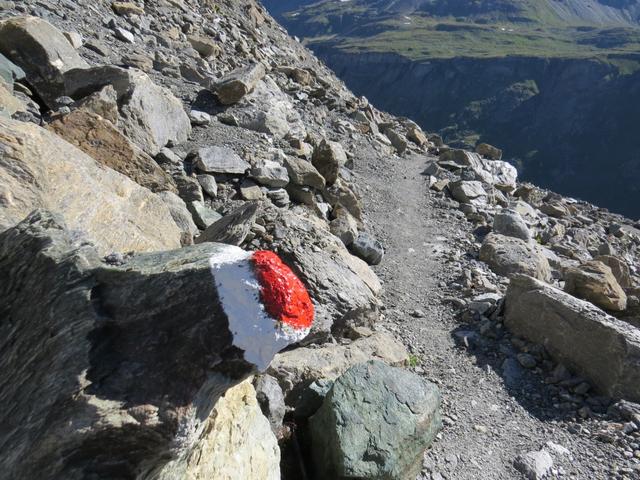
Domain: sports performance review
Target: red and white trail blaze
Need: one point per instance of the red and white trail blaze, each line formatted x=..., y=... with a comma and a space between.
x=267, y=305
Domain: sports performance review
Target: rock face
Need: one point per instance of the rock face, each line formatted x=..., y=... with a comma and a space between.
x=581, y=336
x=128, y=358
x=237, y=442
x=102, y=141
x=42, y=51
x=508, y=256
x=594, y=281
x=37, y=168
x=375, y=423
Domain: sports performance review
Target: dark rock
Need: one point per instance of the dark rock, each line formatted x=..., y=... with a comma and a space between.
x=368, y=248
x=233, y=228
x=271, y=400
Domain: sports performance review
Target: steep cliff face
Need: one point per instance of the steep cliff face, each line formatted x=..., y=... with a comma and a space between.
x=568, y=124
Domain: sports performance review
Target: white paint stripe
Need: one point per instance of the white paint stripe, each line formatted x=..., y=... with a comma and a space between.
x=253, y=330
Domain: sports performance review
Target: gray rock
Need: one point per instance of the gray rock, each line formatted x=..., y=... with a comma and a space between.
x=534, y=465
x=202, y=215
x=270, y=173
x=149, y=343
x=509, y=222
x=271, y=400
x=576, y=334
x=180, y=214
x=220, y=160
x=199, y=118
x=203, y=45
x=42, y=51
x=328, y=158
x=189, y=188
x=9, y=71
x=124, y=35
x=508, y=256
x=233, y=228
x=526, y=360
x=250, y=190
x=303, y=173
x=344, y=226
x=375, y=423
x=208, y=184
x=512, y=372
x=238, y=83
x=368, y=248
x=489, y=151
x=468, y=191
x=279, y=197
x=311, y=398
x=398, y=141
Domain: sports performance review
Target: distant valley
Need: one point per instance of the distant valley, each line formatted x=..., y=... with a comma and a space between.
x=555, y=84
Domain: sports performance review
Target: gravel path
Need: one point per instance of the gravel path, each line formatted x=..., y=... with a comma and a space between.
x=486, y=424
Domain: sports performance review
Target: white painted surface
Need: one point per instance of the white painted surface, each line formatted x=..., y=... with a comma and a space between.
x=253, y=330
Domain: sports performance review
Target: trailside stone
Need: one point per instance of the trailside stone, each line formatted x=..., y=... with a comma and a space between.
x=236, y=443
x=471, y=192
x=100, y=139
x=368, y=248
x=508, y=256
x=233, y=228
x=489, y=151
x=238, y=83
x=576, y=334
x=130, y=354
x=594, y=281
x=296, y=369
x=328, y=158
x=344, y=226
x=509, y=222
x=42, y=51
x=398, y=141
x=497, y=173
x=303, y=173
x=375, y=423
x=220, y=160
x=38, y=169
x=534, y=465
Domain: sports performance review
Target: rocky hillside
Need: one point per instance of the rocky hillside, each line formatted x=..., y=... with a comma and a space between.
x=219, y=263
x=553, y=83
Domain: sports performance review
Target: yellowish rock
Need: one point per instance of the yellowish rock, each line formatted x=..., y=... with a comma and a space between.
x=594, y=281
x=38, y=169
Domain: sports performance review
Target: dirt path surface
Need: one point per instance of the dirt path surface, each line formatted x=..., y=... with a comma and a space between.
x=487, y=423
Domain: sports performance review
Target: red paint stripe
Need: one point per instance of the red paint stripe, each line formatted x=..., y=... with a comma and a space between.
x=284, y=296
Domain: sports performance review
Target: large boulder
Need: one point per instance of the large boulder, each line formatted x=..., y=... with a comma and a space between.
x=150, y=115
x=509, y=222
x=508, y=256
x=102, y=141
x=231, y=88
x=296, y=369
x=236, y=442
x=577, y=334
x=594, y=281
x=468, y=191
x=115, y=369
x=38, y=169
x=42, y=51
x=217, y=159
x=375, y=423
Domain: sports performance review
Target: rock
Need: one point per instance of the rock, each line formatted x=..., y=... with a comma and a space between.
x=189, y=188
x=619, y=268
x=152, y=348
x=595, y=345
x=296, y=369
x=303, y=173
x=278, y=196
x=42, y=51
x=38, y=169
x=340, y=193
x=233, y=228
x=497, y=173
x=180, y=215
x=534, y=465
x=74, y=38
x=509, y=223
x=220, y=160
x=149, y=114
x=204, y=46
x=271, y=400
x=124, y=35
x=594, y=281
x=202, y=215
x=236, y=442
x=127, y=8
x=138, y=60
x=526, y=360
x=471, y=192
x=9, y=103
x=250, y=190
x=344, y=226
x=199, y=118
x=375, y=423
x=10, y=72
x=416, y=135
x=368, y=248
x=489, y=151
x=554, y=209
x=238, y=83
x=398, y=141
x=208, y=184
x=101, y=140
x=508, y=256
x=270, y=173
x=328, y=158
x=103, y=102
